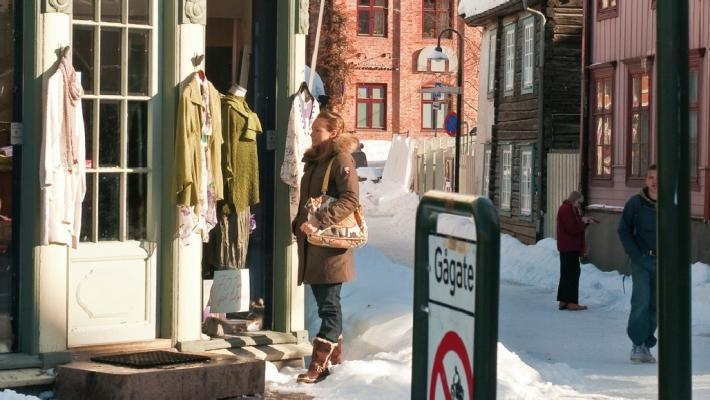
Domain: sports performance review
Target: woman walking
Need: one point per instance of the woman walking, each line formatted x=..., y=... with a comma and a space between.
x=571, y=226
x=324, y=268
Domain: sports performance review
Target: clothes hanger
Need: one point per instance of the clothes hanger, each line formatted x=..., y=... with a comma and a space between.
x=196, y=62
x=62, y=51
x=304, y=87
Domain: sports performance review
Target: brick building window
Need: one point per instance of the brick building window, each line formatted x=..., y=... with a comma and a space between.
x=372, y=17
x=436, y=16
x=602, y=102
x=606, y=9
x=371, y=106
x=434, y=111
x=638, y=152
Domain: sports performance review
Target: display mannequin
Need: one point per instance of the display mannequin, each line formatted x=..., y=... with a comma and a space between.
x=237, y=90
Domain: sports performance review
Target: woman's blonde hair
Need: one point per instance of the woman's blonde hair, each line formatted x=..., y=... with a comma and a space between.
x=333, y=120
x=574, y=196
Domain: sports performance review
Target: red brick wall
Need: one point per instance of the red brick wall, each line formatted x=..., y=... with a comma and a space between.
x=376, y=62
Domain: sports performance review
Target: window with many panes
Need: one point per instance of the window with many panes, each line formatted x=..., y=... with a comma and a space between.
x=606, y=9
x=372, y=17
x=491, y=61
x=693, y=100
x=486, y=171
x=509, y=62
x=526, y=156
x=639, y=131
x=506, y=175
x=434, y=110
x=113, y=51
x=371, y=106
x=602, y=121
x=436, y=16
x=528, y=61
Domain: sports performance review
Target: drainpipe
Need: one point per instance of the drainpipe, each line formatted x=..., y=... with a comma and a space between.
x=540, y=118
x=586, y=90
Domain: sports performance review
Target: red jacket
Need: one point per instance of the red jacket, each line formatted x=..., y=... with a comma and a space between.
x=570, y=228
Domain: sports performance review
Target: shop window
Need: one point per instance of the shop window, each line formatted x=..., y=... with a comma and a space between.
x=113, y=50
x=485, y=191
x=638, y=122
x=526, y=174
x=606, y=9
x=509, y=62
x=491, y=61
x=436, y=16
x=372, y=17
x=434, y=110
x=602, y=120
x=506, y=176
x=371, y=106
x=528, y=62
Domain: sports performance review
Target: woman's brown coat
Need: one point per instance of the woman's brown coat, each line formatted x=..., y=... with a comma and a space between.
x=322, y=265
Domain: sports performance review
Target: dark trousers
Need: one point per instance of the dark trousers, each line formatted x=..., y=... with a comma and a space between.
x=642, y=319
x=331, y=315
x=568, y=289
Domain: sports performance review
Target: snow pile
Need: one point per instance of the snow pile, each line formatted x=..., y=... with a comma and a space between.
x=377, y=151
x=9, y=394
x=474, y=7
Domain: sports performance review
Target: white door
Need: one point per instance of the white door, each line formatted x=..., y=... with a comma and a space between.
x=112, y=275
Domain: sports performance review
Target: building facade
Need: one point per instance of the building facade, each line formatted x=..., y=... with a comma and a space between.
x=129, y=279
x=529, y=78
x=393, y=39
x=619, y=129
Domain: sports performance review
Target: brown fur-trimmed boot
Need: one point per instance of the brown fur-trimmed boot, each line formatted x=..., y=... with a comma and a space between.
x=318, y=368
x=337, y=356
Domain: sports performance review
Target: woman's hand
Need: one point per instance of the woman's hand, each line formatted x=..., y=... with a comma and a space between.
x=308, y=229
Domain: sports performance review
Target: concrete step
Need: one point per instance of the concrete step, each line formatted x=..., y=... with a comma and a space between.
x=258, y=338
x=25, y=377
x=19, y=361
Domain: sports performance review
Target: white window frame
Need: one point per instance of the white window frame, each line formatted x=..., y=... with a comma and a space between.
x=506, y=171
x=492, y=60
x=485, y=191
x=123, y=170
x=526, y=173
x=528, y=59
x=509, y=75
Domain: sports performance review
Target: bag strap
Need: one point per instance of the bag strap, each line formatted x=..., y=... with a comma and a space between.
x=326, y=178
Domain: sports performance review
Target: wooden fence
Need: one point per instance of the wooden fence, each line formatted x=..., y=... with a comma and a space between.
x=435, y=164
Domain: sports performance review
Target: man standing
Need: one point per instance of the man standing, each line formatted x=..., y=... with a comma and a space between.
x=637, y=232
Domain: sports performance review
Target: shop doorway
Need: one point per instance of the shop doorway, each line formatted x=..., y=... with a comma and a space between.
x=10, y=114
x=239, y=51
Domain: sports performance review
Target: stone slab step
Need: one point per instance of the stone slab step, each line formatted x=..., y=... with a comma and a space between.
x=259, y=338
x=25, y=377
x=275, y=352
x=224, y=376
x=19, y=361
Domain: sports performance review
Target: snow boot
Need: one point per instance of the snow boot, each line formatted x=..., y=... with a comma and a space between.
x=337, y=356
x=318, y=368
x=641, y=355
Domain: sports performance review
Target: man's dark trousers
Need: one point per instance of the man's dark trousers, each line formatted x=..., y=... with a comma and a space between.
x=642, y=320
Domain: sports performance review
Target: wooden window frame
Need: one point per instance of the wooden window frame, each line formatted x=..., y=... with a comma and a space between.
x=436, y=10
x=506, y=208
x=601, y=72
x=369, y=101
x=486, y=181
x=492, y=47
x=607, y=12
x=446, y=100
x=509, y=56
x=372, y=9
x=527, y=213
x=695, y=62
x=525, y=23
x=635, y=68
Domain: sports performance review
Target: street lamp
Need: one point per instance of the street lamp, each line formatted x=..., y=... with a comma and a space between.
x=439, y=55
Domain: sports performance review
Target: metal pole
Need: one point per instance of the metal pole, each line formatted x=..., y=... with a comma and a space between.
x=674, y=353
x=459, y=113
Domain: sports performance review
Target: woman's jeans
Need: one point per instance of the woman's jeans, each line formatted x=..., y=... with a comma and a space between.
x=331, y=315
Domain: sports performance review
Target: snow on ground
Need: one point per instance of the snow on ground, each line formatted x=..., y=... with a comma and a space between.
x=543, y=353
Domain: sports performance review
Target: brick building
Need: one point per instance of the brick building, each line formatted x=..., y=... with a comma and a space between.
x=390, y=42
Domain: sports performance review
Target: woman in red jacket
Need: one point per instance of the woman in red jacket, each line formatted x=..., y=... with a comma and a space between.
x=570, y=243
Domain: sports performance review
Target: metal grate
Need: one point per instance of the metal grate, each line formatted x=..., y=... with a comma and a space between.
x=150, y=359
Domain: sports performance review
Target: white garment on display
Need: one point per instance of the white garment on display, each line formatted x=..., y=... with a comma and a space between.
x=318, y=88
x=298, y=140
x=62, y=169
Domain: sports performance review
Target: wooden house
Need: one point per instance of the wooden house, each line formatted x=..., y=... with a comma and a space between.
x=619, y=126
x=529, y=94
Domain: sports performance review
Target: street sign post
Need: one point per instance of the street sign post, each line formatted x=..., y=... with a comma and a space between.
x=456, y=286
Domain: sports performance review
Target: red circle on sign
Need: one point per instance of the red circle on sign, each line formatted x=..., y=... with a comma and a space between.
x=450, y=342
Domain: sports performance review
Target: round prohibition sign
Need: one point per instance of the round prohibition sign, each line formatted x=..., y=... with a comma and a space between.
x=451, y=342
